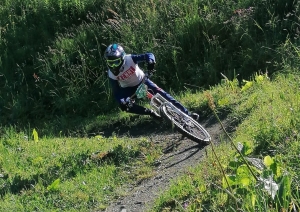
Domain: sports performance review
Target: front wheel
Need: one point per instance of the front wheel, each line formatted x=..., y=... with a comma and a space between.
x=186, y=124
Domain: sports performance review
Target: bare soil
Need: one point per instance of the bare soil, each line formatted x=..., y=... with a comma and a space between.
x=179, y=154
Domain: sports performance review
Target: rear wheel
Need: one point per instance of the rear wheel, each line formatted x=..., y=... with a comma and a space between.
x=185, y=124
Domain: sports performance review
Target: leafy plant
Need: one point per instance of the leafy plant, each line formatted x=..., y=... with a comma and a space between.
x=54, y=186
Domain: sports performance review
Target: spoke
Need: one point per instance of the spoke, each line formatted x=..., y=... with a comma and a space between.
x=186, y=124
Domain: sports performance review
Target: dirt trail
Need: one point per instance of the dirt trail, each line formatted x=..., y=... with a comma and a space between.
x=179, y=154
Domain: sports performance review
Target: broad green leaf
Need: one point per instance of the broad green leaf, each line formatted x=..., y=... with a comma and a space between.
x=284, y=192
x=245, y=181
x=230, y=179
x=247, y=148
x=247, y=85
x=54, y=186
x=243, y=176
x=234, y=164
x=268, y=161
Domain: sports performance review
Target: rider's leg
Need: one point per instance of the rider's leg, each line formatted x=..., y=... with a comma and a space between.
x=140, y=110
x=152, y=86
x=135, y=108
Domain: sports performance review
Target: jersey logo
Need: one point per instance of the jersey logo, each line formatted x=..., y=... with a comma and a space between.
x=126, y=74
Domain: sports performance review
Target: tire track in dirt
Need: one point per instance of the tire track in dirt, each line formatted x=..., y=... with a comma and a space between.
x=179, y=154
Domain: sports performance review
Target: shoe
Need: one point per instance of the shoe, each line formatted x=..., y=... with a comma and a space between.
x=154, y=115
x=195, y=116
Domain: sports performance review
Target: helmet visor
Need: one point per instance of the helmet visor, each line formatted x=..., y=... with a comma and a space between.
x=114, y=63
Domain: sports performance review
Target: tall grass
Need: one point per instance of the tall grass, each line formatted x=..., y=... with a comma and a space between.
x=52, y=68
x=52, y=61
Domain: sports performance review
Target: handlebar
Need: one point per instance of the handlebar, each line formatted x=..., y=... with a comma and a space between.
x=147, y=76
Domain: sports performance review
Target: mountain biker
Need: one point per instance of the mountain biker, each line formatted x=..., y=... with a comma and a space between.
x=125, y=76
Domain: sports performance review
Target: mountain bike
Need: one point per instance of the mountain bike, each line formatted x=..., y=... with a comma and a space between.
x=185, y=124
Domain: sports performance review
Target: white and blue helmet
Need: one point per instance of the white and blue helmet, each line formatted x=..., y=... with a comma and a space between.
x=114, y=56
x=114, y=51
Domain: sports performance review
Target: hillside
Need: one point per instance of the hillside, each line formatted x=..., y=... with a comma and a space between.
x=65, y=146
x=51, y=57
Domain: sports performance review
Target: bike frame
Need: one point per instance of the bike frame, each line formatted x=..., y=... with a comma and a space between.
x=156, y=100
x=160, y=105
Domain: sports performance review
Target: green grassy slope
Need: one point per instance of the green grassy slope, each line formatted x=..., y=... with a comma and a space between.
x=72, y=173
x=51, y=51
x=262, y=172
x=52, y=79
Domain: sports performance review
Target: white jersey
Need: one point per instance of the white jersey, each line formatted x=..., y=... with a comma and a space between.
x=130, y=73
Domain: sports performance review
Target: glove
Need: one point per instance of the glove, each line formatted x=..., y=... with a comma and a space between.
x=127, y=102
x=150, y=66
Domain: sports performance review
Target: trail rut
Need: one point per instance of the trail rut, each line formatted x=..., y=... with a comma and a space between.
x=179, y=154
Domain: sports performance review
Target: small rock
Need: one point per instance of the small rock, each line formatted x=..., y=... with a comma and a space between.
x=138, y=203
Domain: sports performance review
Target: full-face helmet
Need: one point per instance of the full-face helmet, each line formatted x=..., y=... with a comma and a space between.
x=114, y=56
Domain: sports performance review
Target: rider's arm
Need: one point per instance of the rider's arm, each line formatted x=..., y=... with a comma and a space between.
x=147, y=57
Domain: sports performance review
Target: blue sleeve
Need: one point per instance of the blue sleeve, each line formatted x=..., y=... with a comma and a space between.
x=147, y=57
x=115, y=89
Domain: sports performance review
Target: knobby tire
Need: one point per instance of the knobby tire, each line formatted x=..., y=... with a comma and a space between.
x=186, y=124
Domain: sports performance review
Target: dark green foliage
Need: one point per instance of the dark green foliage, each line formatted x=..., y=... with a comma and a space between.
x=51, y=51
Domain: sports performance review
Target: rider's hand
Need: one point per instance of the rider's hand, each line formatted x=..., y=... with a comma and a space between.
x=150, y=65
x=127, y=102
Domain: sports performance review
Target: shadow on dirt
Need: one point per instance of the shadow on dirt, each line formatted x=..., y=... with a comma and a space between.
x=190, y=152
x=178, y=155
x=148, y=127
x=137, y=128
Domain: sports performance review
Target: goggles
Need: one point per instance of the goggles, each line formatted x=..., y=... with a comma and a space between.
x=114, y=63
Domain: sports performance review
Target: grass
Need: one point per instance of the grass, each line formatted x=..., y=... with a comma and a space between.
x=52, y=78
x=86, y=173
x=53, y=50
x=68, y=173
x=267, y=134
